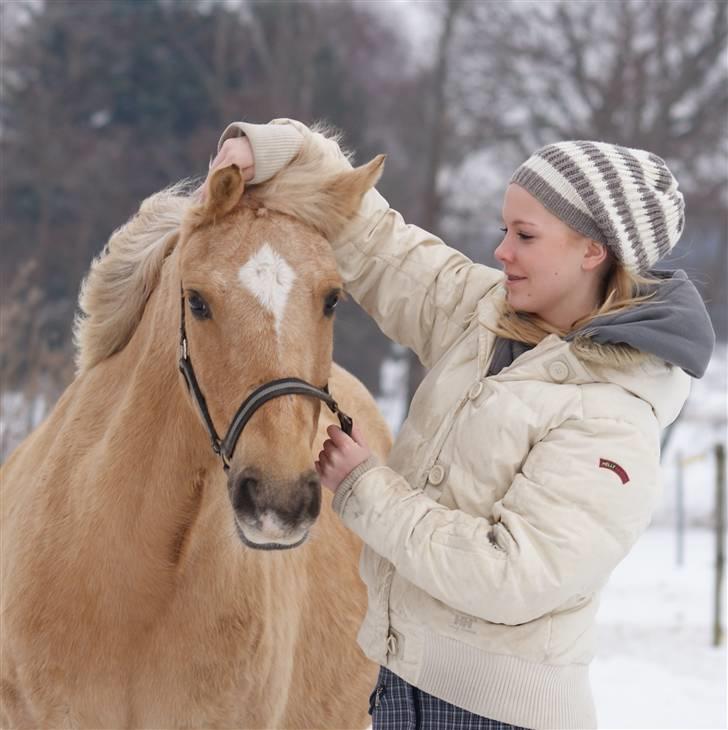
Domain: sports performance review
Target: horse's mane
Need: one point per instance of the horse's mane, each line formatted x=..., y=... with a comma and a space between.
x=121, y=279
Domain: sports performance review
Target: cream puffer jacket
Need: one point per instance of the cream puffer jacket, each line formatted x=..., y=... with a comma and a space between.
x=507, y=500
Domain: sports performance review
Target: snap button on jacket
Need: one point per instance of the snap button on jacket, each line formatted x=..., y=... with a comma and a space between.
x=559, y=371
x=436, y=474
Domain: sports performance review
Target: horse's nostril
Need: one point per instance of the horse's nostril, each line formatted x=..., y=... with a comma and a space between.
x=244, y=494
x=308, y=484
x=310, y=490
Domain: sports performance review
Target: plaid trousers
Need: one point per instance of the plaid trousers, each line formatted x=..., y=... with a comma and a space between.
x=397, y=705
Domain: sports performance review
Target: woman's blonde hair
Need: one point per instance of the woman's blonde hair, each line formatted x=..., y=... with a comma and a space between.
x=621, y=291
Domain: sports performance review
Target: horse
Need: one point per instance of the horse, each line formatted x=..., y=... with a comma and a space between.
x=154, y=574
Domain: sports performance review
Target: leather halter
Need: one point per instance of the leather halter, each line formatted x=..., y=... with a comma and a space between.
x=273, y=389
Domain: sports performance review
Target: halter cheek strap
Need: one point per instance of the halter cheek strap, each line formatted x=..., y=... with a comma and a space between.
x=273, y=389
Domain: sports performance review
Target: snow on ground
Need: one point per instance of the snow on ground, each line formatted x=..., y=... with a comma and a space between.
x=655, y=665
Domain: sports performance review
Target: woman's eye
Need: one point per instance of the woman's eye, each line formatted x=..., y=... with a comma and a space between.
x=198, y=306
x=330, y=304
x=522, y=236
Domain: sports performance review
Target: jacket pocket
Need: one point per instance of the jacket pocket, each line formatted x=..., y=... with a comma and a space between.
x=571, y=633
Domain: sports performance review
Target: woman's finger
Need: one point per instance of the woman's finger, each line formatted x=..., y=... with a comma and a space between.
x=338, y=437
x=358, y=436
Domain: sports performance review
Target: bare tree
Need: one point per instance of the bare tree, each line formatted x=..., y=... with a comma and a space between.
x=641, y=73
x=437, y=124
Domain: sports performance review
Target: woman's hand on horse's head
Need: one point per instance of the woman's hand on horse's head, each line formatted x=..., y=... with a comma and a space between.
x=340, y=454
x=234, y=151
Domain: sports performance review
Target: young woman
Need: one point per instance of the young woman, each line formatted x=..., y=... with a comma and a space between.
x=529, y=462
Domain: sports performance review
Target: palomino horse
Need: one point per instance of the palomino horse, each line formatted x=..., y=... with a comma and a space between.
x=133, y=594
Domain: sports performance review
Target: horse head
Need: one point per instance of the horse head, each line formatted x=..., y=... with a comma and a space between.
x=259, y=286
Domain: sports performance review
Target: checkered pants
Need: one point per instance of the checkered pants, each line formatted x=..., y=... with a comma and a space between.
x=397, y=705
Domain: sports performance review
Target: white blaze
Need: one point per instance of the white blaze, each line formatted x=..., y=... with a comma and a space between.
x=269, y=278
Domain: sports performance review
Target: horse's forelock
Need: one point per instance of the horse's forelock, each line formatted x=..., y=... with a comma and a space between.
x=303, y=188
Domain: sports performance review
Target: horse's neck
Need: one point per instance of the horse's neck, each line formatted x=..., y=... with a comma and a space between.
x=159, y=454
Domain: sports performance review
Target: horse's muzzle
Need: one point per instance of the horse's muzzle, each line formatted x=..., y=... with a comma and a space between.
x=273, y=513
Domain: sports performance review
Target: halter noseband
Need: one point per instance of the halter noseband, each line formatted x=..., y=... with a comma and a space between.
x=273, y=389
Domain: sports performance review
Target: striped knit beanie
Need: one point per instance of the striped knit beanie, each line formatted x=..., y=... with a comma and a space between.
x=622, y=197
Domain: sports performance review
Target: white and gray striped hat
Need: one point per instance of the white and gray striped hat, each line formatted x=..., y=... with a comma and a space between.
x=622, y=197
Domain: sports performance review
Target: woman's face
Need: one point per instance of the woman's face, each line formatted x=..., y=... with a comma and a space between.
x=552, y=271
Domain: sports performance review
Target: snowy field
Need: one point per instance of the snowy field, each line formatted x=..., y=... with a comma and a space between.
x=655, y=666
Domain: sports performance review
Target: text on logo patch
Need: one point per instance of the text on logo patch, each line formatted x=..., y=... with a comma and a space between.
x=616, y=468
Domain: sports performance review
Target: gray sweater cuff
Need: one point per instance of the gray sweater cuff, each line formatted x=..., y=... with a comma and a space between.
x=274, y=146
x=344, y=489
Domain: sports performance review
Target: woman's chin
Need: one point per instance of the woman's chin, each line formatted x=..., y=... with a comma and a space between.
x=521, y=303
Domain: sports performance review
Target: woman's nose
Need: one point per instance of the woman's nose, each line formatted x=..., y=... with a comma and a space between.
x=502, y=252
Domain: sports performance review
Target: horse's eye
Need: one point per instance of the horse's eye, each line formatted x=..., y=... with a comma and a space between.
x=198, y=306
x=330, y=304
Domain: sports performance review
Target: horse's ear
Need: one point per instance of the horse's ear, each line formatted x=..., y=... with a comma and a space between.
x=351, y=186
x=344, y=192
x=224, y=191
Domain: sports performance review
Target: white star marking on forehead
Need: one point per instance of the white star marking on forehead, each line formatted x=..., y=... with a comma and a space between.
x=269, y=278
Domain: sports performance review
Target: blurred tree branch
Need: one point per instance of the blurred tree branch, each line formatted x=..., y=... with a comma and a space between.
x=641, y=73
x=437, y=131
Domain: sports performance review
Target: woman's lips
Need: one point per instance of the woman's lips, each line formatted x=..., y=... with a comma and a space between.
x=510, y=280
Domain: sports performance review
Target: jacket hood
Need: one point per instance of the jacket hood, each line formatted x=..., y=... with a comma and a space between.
x=674, y=326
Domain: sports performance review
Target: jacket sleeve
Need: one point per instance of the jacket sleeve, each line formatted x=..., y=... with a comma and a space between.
x=420, y=292
x=274, y=145
x=557, y=534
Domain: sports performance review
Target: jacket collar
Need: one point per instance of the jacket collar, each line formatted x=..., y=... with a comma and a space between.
x=582, y=361
x=609, y=355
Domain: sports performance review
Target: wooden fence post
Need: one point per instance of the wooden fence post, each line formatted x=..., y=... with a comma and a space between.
x=680, y=509
x=719, y=543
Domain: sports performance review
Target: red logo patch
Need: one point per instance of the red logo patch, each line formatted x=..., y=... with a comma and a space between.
x=616, y=468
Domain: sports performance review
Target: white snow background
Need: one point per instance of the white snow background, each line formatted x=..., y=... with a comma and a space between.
x=655, y=666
